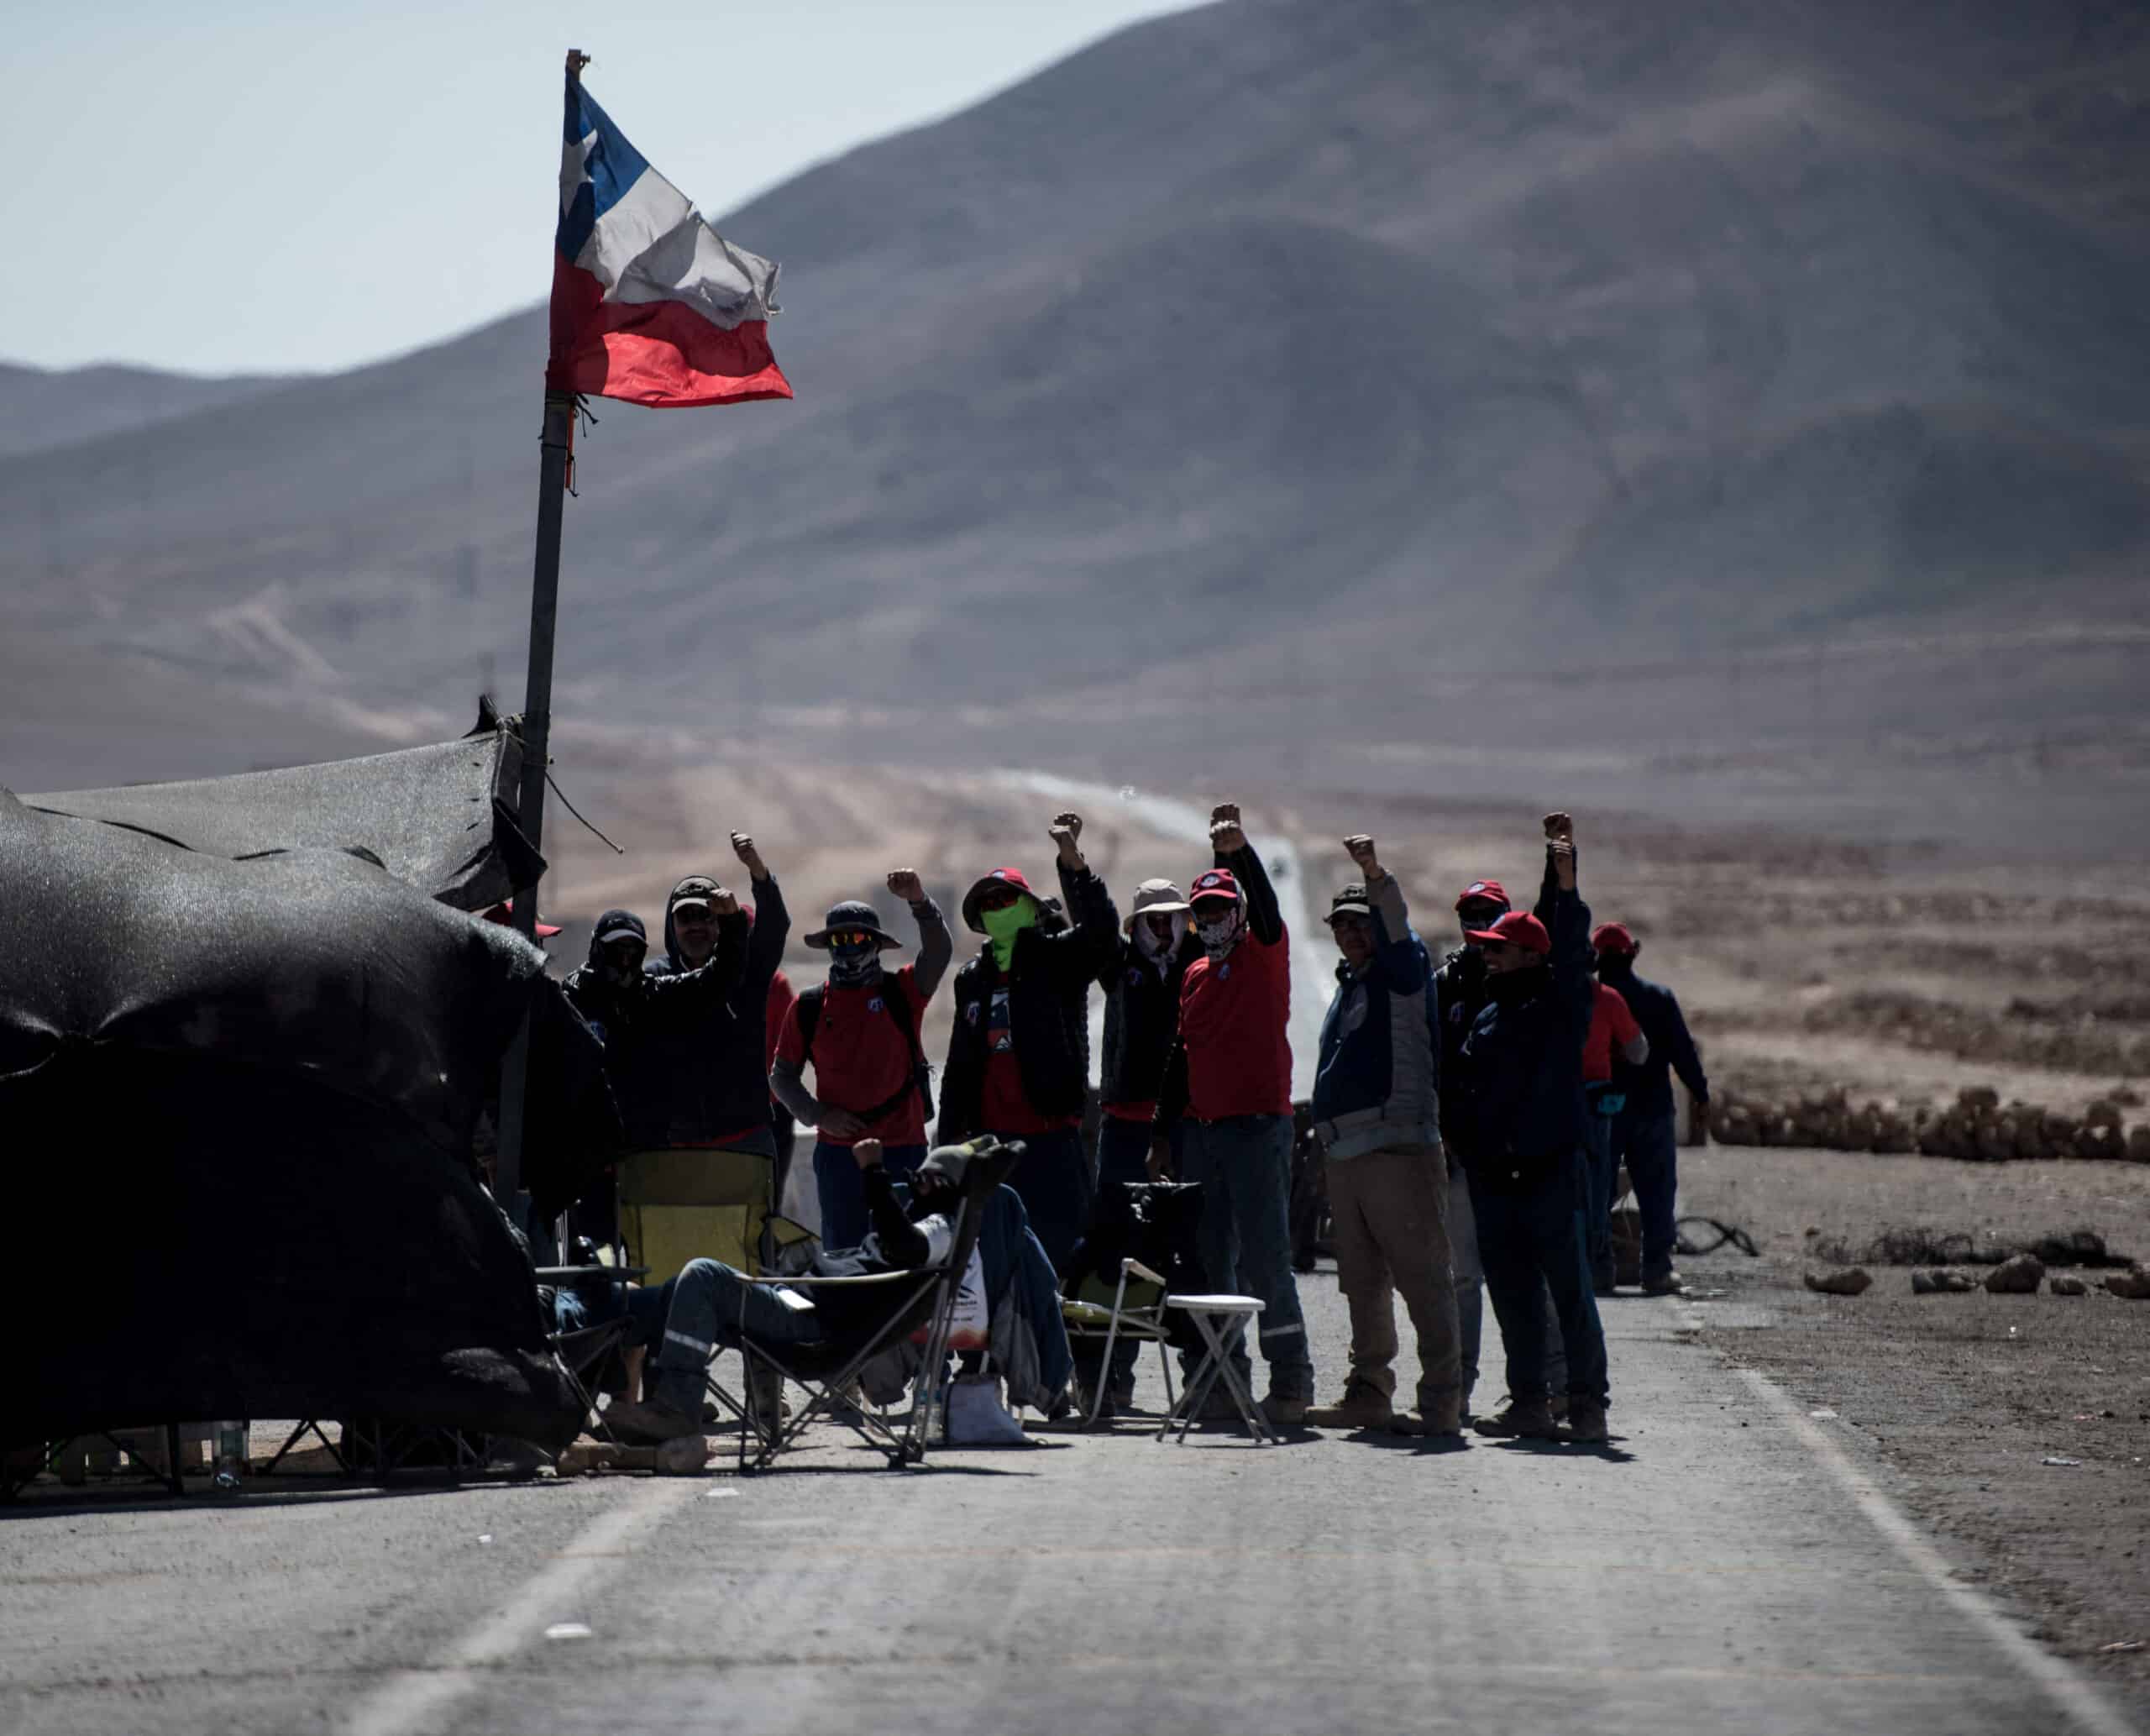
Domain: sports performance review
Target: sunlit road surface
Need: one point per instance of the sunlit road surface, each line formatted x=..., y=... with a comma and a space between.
x=1727, y=1566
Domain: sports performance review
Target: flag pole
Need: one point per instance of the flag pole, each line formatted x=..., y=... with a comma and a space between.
x=555, y=444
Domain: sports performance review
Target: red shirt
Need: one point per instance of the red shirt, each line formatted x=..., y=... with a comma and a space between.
x=1232, y=1018
x=860, y=1057
x=775, y=1011
x=1002, y=1107
x=1610, y=1022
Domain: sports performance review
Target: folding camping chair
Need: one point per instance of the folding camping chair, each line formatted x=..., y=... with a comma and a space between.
x=921, y=1298
x=1140, y=1317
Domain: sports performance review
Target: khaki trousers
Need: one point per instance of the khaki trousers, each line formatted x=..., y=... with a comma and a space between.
x=1389, y=1214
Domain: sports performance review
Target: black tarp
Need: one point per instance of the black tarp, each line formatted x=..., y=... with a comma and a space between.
x=235, y=1106
x=440, y=818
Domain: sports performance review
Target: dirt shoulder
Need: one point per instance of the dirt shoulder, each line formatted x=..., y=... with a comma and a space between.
x=1963, y=1398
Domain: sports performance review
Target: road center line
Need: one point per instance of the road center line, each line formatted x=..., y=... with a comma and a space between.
x=409, y=1699
x=2076, y=1699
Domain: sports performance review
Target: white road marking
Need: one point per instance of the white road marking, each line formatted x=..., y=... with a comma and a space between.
x=411, y=1698
x=2074, y=1697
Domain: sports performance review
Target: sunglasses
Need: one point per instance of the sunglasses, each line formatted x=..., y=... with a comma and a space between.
x=852, y=939
x=999, y=899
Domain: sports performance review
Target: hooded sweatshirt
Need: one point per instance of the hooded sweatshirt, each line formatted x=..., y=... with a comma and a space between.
x=711, y=1074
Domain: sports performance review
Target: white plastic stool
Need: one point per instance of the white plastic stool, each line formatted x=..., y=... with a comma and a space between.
x=1222, y=1321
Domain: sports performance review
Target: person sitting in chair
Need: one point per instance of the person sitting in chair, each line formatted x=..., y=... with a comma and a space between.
x=710, y=1304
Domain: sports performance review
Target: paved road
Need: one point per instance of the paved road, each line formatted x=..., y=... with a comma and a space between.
x=1724, y=1567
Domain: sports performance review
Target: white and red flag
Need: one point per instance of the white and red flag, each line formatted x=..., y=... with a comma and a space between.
x=650, y=304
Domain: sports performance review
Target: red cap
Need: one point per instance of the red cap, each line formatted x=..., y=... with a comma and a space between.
x=1518, y=928
x=504, y=913
x=1218, y=883
x=1616, y=937
x=1005, y=876
x=1483, y=892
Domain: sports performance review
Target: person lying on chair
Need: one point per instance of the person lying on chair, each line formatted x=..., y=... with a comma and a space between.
x=709, y=1304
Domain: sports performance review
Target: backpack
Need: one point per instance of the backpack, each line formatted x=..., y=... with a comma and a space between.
x=896, y=1002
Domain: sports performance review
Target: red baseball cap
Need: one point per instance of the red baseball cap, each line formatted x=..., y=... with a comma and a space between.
x=1218, y=883
x=1479, y=892
x=1518, y=928
x=1615, y=937
x=991, y=876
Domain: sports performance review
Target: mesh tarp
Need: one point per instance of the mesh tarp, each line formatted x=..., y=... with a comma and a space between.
x=238, y=1099
x=440, y=818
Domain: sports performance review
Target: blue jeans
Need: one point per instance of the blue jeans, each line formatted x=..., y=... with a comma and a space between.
x=843, y=1194
x=1531, y=1241
x=1245, y=1167
x=688, y=1316
x=1470, y=1293
x=1598, y=1174
x=1649, y=1145
x=1053, y=1177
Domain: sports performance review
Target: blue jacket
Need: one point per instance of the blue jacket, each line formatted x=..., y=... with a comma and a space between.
x=1376, y=1084
x=1524, y=1059
x=1649, y=1084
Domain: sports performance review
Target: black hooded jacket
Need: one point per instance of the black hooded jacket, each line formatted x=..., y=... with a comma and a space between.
x=1048, y=983
x=1522, y=1060
x=712, y=1074
x=640, y=1023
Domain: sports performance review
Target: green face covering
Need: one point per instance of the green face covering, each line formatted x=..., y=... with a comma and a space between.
x=1002, y=926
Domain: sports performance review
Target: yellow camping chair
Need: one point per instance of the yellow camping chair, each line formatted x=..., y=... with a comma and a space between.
x=684, y=1203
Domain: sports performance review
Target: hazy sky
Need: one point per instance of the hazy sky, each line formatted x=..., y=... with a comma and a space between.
x=235, y=185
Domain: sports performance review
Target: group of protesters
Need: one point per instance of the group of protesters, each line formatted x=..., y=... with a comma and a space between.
x=1472, y=1114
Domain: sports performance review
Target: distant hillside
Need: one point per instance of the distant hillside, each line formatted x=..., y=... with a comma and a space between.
x=1485, y=377
x=41, y=408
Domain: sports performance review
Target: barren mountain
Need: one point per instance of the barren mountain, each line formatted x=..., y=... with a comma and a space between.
x=44, y=407
x=1727, y=403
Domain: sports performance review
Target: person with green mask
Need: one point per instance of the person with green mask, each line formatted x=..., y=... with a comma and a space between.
x=1019, y=1055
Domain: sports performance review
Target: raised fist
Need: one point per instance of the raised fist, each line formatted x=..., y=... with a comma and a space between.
x=1360, y=849
x=1559, y=828
x=743, y=846
x=724, y=904
x=1226, y=836
x=1067, y=831
x=906, y=885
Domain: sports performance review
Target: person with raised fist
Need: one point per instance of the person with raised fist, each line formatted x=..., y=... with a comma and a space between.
x=1524, y=1073
x=711, y=1186
x=860, y=1030
x=1228, y=1089
x=1375, y=1106
x=1018, y=1053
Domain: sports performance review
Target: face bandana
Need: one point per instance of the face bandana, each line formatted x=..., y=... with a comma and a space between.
x=1218, y=935
x=1003, y=925
x=855, y=967
x=1155, y=947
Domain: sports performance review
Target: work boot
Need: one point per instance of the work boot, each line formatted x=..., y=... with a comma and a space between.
x=1524, y=1419
x=1363, y=1406
x=1586, y=1423
x=1667, y=1282
x=1439, y=1414
x=1280, y=1410
x=648, y=1424
x=1218, y=1406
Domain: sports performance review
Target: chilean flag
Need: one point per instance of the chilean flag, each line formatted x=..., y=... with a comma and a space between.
x=649, y=303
